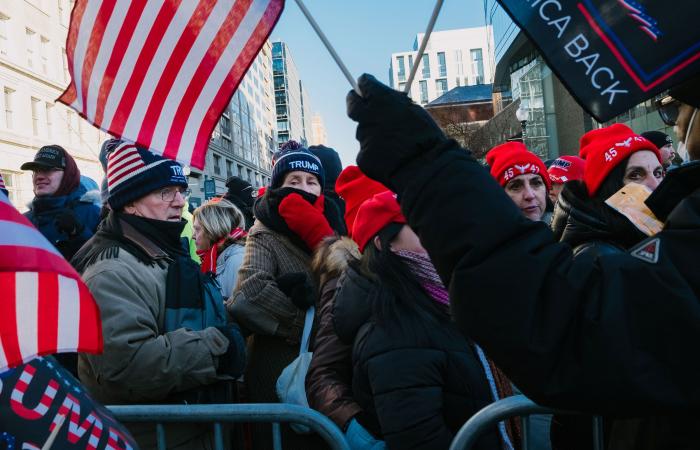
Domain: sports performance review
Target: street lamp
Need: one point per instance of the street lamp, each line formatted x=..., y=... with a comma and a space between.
x=522, y=114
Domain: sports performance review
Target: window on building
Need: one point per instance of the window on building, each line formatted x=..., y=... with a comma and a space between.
x=441, y=86
x=240, y=171
x=477, y=65
x=225, y=122
x=11, y=185
x=426, y=66
x=64, y=58
x=226, y=143
x=229, y=168
x=402, y=68
x=8, y=107
x=31, y=47
x=458, y=60
x=423, y=91
x=282, y=125
x=410, y=63
x=402, y=86
x=44, y=50
x=49, y=120
x=4, y=22
x=442, y=64
x=217, y=165
x=35, y=116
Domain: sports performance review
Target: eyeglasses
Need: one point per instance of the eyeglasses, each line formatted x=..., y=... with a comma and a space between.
x=168, y=194
x=668, y=110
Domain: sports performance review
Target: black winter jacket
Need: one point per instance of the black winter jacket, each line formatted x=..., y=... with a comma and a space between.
x=417, y=382
x=614, y=335
x=581, y=225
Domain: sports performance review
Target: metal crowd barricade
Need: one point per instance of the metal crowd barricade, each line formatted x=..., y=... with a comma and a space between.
x=274, y=413
x=514, y=406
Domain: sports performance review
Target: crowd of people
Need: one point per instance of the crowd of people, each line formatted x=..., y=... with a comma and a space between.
x=435, y=294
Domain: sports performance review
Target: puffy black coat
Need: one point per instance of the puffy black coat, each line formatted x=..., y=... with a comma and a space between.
x=579, y=223
x=613, y=335
x=417, y=381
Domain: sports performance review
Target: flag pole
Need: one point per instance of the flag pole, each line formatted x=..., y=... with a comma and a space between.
x=329, y=47
x=421, y=50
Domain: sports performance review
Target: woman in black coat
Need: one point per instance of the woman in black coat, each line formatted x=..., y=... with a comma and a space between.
x=615, y=156
x=582, y=219
x=416, y=377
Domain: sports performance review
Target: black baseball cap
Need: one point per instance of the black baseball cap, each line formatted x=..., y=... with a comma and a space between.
x=658, y=138
x=48, y=157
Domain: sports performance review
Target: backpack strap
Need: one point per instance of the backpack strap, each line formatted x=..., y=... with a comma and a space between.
x=308, y=324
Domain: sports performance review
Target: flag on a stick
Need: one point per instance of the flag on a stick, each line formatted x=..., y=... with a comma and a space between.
x=45, y=307
x=160, y=73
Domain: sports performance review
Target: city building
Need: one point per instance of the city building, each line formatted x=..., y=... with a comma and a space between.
x=244, y=140
x=554, y=121
x=461, y=111
x=318, y=131
x=291, y=99
x=452, y=58
x=33, y=74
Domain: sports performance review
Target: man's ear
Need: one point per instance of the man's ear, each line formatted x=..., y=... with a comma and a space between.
x=377, y=243
x=130, y=208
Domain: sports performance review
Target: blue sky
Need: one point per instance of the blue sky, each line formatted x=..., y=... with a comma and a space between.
x=364, y=33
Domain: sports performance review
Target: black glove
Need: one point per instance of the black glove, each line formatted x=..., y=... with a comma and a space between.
x=233, y=361
x=392, y=129
x=298, y=288
x=66, y=222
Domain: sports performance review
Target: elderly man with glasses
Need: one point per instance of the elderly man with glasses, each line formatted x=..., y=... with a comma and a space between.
x=148, y=288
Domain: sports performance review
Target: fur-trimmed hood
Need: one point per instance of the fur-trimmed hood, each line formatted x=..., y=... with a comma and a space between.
x=332, y=257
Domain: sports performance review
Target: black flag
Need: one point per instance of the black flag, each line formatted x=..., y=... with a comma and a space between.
x=613, y=54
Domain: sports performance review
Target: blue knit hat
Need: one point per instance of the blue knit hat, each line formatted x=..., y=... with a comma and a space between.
x=294, y=157
x=134, y=172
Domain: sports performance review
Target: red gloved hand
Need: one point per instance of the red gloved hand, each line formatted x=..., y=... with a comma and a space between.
x=304, y=219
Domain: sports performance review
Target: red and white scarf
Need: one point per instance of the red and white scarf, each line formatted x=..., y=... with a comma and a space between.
x=209, y=257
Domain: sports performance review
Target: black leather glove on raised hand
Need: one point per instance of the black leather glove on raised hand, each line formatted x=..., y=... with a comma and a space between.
x=233, y=361
x=298, y=288
x=392, y=130
x=66, y=222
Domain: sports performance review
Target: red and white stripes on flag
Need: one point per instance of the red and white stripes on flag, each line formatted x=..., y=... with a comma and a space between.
x=45, y=307
x=160, y=72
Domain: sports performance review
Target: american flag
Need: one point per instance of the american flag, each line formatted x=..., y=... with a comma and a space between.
x=45, y=307
x=160, y=73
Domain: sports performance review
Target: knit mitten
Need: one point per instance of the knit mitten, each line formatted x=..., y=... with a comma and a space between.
x=298, y=287
x=305, y=220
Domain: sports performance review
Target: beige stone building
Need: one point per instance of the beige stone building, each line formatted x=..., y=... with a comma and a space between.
x=318, y=131
x=33, y=74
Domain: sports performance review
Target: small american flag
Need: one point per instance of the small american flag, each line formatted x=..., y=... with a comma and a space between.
x=160, y=73
x=45, y=307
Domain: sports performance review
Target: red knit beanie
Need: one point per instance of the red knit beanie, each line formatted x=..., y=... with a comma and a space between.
x=605, y=148
x=355, y=187
x=512, y=159
x=566, y=168
x=373, y=215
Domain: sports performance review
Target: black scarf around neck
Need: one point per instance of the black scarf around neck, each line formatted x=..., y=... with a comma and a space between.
x=109, y=238
x=165, y=234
